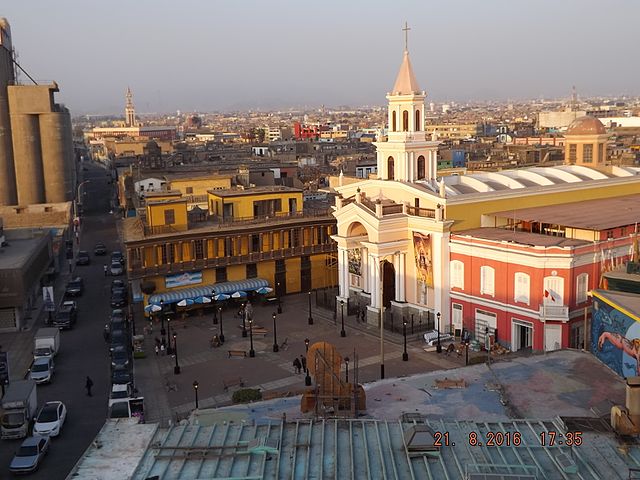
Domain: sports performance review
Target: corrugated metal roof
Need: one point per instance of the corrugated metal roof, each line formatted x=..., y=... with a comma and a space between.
x=372, y=449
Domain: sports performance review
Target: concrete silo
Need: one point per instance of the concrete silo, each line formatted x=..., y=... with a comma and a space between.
x=8, y=195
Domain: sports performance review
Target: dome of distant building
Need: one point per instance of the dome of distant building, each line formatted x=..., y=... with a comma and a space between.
x=586, y=125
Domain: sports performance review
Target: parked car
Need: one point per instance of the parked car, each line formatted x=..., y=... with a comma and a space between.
x=120, y=356
x=100, y=249
x=66, y=316
x=42, y=370
x=117, y=256
x=30, y=454
x=75, y=287
x=119, y=338
x=116, y=268
x=50, y=419
x=121, y=375
x=83, y=258
x=118, y=284
x=118, y=299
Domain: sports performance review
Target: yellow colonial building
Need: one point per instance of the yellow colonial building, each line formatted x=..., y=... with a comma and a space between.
x=248, y=237
x=393, y=231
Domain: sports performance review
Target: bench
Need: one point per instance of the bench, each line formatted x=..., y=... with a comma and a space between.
x=260, y=331
x=237, y=353
x=232, y=381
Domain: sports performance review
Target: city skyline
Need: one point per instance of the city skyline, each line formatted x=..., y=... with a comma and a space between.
x=222, y=56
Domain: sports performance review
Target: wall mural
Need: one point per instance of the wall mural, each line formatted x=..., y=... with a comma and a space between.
x=615, y=339
x=422, y=252
x=355, y=261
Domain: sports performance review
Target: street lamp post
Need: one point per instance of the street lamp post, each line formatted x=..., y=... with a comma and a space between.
x=244, y=325
x=252, y=352
x=438, y=346
x=346, y=364
x=275, y=334
x=405, y=355
x=163, y=332
x=310, y=317
x=195, y=390
x=307, y=378
x=221, y=331
x=342, y=332
x=75, y=205
x=169, y=349
x=176, y=369
x=215, y=317
x=279, y=293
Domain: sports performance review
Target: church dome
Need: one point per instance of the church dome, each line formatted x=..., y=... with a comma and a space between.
x=586, y=125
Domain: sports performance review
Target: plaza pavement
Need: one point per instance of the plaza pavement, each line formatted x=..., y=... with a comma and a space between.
x=171, y=397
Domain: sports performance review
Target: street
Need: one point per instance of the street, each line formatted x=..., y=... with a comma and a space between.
x=82, y=349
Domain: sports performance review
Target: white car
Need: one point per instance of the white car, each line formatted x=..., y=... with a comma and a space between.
x=42, y=370
x=50, y=419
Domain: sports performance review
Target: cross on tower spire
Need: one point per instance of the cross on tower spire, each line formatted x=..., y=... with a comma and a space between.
x=406, y=36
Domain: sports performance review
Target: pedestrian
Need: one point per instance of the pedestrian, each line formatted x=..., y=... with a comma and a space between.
x=88, y=384
x=297, y=365
x=303, y=362
x=105, y=333
x=162, y=347
x=158, y=342
x=105, y=269
x=363, y=311
x=157, y=350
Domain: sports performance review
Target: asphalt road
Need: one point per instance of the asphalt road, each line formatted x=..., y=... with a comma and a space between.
x=82, y=349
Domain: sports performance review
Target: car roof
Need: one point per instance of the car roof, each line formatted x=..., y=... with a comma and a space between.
x=83, y=252
x=50, y=406
x=42, y=360
x=32, y=441
x=76, y=279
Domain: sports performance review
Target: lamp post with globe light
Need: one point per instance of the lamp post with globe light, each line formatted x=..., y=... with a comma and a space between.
x=195, y=390
x=307, y=378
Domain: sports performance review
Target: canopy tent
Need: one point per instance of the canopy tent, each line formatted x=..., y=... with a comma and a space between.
x=174, y=296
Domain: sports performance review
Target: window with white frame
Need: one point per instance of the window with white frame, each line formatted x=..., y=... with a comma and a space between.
x=487, y=280
x=521, y=288
x=582, y=286
x=457, y=274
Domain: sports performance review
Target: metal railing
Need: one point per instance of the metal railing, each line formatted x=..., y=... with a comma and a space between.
x=554, y=311
x=421, y=212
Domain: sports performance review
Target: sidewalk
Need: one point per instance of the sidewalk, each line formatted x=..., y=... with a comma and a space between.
x=169, y=396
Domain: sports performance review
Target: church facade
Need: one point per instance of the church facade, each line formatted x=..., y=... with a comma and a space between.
x=394, y=232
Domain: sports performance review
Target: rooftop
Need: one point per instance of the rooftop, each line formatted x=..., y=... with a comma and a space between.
x=406, y=83
x=520, y=237
x=237, y=192
x=19, y=251
x=630, y=302
x=597, y=215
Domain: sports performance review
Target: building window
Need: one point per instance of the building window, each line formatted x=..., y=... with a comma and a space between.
x=221, y=274
x=167, y=253
x=487, y=280
x=390, y=168
x=582, y=287
x=189, y=190
x=587, y=153
x=601, y=152
x=393, y=121
x=573, y=155
x=418, y=127
x=255, y=243
x=169, y=217
x=421, y=165
x=521, y=288
x=199, y=249
x=295, y=242
x=405, y=121
x=252, y=270
x=457, y=274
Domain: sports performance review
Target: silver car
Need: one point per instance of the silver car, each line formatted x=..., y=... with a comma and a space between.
x=29, y=455
x=42, y=370
x=116, y=268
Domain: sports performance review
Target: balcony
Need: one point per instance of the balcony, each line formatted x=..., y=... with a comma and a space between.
x=554, y=312
x=138, y=270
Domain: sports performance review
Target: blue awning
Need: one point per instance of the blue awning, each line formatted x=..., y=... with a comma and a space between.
x=174, y=296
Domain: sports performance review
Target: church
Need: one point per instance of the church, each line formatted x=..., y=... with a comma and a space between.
x=394, y=232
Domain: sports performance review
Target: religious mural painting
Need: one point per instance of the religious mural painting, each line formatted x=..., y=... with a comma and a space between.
x=615, y=338
x=355, y=261
x=422, y=252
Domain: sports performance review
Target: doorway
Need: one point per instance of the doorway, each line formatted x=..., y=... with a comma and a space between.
x=521, y=335
x=388, y=283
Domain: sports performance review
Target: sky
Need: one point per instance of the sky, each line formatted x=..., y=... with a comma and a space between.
x=220, y=55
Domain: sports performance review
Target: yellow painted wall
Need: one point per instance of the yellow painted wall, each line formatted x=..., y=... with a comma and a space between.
x=155, y=214
x=243, y=205
x=200, y=185
x=321, y=275
x=236, y=272
x=292, y=266
x=467, y=215
x=267, y=270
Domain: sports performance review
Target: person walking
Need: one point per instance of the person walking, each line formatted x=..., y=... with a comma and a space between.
x=297, y=365
x=162, y=347
x=157, y=350
x=105, y=269
x=88, y=384
x=303, y=362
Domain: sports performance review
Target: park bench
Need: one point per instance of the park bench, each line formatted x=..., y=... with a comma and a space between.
x=260, y=331
x=232, y=381
x=237, y=353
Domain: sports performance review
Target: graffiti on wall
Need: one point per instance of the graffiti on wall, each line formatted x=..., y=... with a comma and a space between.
x=422, y=252
x=355, y=261
x=615, y=339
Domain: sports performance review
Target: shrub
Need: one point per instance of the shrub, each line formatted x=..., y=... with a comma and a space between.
x=246, y=395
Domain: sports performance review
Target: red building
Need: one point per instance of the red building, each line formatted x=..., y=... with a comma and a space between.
x=308, y=132
x=531, y=289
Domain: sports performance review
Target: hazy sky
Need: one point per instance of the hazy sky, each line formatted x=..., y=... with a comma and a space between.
x=225, y=54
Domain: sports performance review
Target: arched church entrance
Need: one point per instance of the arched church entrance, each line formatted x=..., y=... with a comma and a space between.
x=388, y=283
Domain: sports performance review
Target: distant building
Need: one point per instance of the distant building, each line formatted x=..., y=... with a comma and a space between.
x=453, y=131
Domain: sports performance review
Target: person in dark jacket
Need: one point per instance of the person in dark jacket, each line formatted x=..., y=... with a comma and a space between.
x=297, y=365
x=88, y=384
